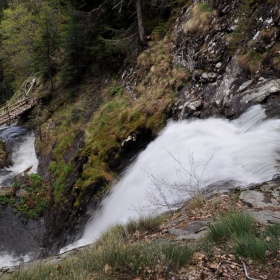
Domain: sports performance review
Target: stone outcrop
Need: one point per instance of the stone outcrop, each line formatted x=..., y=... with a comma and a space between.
x=223, y=79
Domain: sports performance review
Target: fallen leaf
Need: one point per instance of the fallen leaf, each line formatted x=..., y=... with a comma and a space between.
x=59, y=267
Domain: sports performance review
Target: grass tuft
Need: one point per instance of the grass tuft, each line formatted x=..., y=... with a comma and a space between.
x=233, y=224
x=145, y=223
x=200, y=16
x=250, y=61
x=238, y=231
x=250, y=246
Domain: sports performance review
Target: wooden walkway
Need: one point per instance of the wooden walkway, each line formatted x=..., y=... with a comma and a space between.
x=13, y=111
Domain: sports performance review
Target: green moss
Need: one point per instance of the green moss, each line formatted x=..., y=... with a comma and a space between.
x=117, y=90
x=61, y=171
x=204, y=7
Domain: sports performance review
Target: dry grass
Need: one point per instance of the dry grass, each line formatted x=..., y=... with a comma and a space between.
x=276, y=63
x=266, y=35
x=180, y=76
x=272, y=2
x=250, y=61
x=144, y=60
x=200, y=16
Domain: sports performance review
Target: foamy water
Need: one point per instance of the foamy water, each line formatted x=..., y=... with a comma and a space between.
x=22, y=156
x=9, y=259
x=243, y=151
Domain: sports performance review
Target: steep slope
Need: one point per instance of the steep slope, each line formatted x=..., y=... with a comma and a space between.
x=216, y=59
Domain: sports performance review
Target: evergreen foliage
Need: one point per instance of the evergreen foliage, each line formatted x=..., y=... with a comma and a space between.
x=72, y=38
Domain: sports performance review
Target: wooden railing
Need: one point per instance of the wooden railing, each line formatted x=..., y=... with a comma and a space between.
x=13, y=111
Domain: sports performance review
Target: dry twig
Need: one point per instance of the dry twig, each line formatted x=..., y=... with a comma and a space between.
x=246, y=272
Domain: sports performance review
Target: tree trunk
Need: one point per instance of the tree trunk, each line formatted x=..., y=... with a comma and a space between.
x=142, y=34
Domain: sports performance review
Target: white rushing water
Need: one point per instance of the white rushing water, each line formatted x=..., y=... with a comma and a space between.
x=9, y=259
x=23, y=156
x=243, y=151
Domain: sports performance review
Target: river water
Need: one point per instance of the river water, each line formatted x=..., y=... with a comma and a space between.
x=20, y=144
x=186, y=158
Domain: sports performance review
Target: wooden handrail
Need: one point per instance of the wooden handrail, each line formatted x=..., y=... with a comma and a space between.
x=12, y=111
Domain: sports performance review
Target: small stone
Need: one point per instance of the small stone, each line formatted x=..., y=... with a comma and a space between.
x=256, y=36
x=218, y=65
x=21, y=193
x=245, y=85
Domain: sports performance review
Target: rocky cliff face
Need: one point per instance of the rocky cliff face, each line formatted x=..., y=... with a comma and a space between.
x=232, y=51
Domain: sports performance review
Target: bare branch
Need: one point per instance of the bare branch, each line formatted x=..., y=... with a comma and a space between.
x=172, y=195
x=99, y=8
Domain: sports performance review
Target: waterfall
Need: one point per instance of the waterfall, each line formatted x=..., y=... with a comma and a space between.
x=219, y=151
x=20, y=145
x=9, y=259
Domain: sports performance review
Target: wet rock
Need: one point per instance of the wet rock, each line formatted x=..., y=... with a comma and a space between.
x=23, y=180
x=190, y=107
x=258, y=199
x=128, y=140
x=208, y=77
x=223, y=93
x=260, y=93
x=245, y=85
x=194, y=230
x=265, y=217
x=19, y=235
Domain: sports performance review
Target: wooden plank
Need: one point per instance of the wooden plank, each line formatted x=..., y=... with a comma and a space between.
x=13, y=111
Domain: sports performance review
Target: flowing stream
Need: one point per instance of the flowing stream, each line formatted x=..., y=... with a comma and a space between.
x=192, y=154
x=20, y=145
